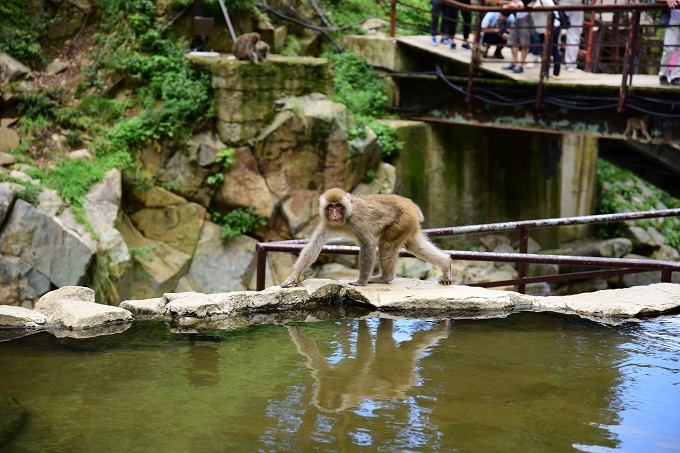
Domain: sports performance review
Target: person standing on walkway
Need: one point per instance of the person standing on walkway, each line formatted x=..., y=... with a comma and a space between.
x=671, y=44
x=443, y=11
x=467, y=19
x=520, y=36
x=541, y=19
x=574, y=32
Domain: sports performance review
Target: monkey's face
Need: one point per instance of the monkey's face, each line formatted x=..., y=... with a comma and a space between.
x=335, y=212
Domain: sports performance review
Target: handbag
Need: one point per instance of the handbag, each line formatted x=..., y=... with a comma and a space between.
x=665, y=17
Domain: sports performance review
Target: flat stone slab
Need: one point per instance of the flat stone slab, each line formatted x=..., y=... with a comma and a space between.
x=73, y=308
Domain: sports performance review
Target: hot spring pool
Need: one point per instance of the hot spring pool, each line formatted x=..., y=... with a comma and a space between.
x=528, y=382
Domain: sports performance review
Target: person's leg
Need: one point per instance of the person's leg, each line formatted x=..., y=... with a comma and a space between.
x=449, y=23
x=671, y=41
x=555, y=51
x=536, y=47
x=467, y=20
x=573, y=39
x=435, y=12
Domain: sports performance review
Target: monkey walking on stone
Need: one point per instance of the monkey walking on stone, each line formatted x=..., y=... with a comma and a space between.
x=383, y=221
x=249, y=46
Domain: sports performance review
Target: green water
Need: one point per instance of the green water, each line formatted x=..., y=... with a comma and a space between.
x=529, y=382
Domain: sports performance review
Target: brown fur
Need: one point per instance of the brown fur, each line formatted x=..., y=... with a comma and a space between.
x=633, y=125
x=383, y=221
x=249, y=46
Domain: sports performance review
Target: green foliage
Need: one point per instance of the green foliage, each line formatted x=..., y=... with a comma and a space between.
x=617, y=192
x=369, y=176
x=236, y=222
x=103, y=279
x=225, y=158
x=21, y=30
x=292, y=47
x=28, y=191
x=358, y=86
x=387, y=137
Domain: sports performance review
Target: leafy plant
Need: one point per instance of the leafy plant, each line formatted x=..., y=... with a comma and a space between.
x=225, y=158
x=357, y=85
x=236, y=222
x=22, y=29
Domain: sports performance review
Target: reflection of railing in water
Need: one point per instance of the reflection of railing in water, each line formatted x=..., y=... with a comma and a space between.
x=618, y=266
x=626, y=20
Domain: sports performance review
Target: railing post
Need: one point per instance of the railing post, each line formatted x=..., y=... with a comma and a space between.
x=545, y=64
x=393, y=18
x=628, y=60
x=261, y=266
x=522, y=267
x=666, y=276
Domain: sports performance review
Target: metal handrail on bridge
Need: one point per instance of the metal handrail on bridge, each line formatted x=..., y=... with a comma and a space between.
x=630, y=48
x=618, y=266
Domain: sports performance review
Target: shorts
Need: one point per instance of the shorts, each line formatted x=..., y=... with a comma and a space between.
x=520, y=33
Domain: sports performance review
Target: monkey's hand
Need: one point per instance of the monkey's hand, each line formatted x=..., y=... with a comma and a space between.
x=445, y=281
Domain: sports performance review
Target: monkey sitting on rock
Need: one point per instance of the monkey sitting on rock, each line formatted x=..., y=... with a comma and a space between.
x=383, y=221
x=249, y=46
x=633, y=125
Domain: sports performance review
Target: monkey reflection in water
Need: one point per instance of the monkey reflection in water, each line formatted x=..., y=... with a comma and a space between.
x=387, y=371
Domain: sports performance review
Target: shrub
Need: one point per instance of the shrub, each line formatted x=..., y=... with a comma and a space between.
x=236, y=222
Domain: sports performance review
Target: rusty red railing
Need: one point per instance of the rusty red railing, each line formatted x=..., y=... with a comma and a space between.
x=616, y=266
x=629, y=66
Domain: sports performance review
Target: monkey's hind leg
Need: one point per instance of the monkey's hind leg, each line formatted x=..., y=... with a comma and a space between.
x=425, y=250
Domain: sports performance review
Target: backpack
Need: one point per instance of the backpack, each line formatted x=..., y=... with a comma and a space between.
x=563, y=19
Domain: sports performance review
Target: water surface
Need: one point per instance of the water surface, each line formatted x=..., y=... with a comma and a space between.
x=529, y=382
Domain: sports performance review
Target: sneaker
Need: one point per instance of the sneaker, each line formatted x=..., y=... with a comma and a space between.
x=555, y=77
x=466, y=45
x=675, y=81
x=663, y=80
x=518, y=69
x=530, y=64
x=446, y=40
x=434, y=41
x=498, y=54
x=453, y=46
x=510, y=67
x=571, y=68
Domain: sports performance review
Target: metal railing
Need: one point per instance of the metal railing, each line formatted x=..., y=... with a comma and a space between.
x=628, y=16
x=616, y=266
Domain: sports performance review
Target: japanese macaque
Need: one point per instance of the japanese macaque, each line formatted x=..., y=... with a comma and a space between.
x=249, y=46
x=635, y=125
x=383, y=221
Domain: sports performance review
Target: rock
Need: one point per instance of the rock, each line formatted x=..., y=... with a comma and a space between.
x=50, y=202
x=80, y=154
x=244, y=186
x=11, y=69
x=9, y=140
x=157, y=266
x=56, y=66
x=12, y=417
x=219, y=267
x=101, y=206
x=19, y=282
x=7, y=196
x=73, y=307
x=300, y=206
x=42, y=241
x=145, y=308
x=6, y=159
x=168, y=218
x=384, y=182
x=70, y=18
x=21, y=317
x=335, y=271
x=203, y=148
x=186, y=178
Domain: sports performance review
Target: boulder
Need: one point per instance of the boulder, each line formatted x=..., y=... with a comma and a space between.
x=7, y=196
x=144, y=308
x=157, y=265
x=19, y=282
x=219, y=267
x=9, y=140
x=176, y=223
x=244, y=186
x=73, y=307
x=186, y=178
x=43, y=242
x=384, y=182
x=21, y=317
x=11, y=69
